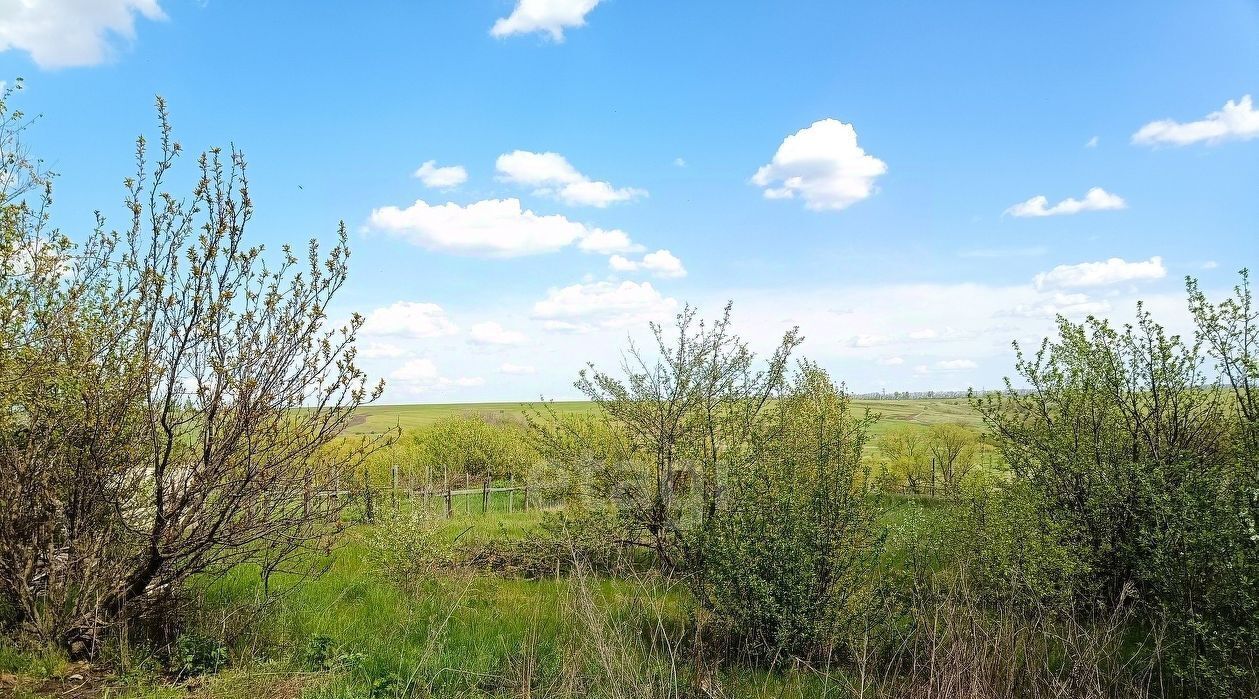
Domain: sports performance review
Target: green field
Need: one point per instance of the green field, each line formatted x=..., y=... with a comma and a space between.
x=927, y=411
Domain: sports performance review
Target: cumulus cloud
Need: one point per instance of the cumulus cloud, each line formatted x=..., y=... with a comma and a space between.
x=1096, y=199
x=890, y=361
x=1092, y=143
x=409, y=319
x=1112, y=271
x=416, y=370
x=510, y=368
x=604, y=304
x=1237, y=121
x=661, y=263
x=1061, y=304
x=550, y=174
x=441, y=177
x=549, y=16
x=492, y=333
x=491, y=228
x=67, y=33
x=823, y=165
x=607, y=242
x=420, y=376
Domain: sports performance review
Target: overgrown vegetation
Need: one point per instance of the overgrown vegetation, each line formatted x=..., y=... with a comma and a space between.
x=183, y=502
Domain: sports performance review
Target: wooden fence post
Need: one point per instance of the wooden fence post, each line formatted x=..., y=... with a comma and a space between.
x=393, y=487
x=526, y=497
x=369, y=509
x=485, y=496
x=449, y=513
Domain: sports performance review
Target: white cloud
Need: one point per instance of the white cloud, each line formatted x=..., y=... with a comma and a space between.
x=381, y=350
x=1210, y=264
x=622, y=264
x=890, y=361
x=1096, y=199
x=956, y=364
x=679, y=162
x=550, y=174
x=1092, y=143
x=66, y=33
x=1061, y=304
x=417, y=377
x=415, y=371
x=409, y=319
x=509, y=368
x=441, y=177
x=605, y=304
x=492, y=333
x=661, y=263
x=923, y=334
x=1112, y=271
x=550, y=16
x=606, y=242
x=1237, y=121
x=493, y=228
x=823, y=165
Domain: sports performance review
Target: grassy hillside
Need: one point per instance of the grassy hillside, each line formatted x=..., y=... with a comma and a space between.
x=931, y=411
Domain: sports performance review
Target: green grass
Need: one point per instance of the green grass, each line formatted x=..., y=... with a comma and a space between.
x=378, y=418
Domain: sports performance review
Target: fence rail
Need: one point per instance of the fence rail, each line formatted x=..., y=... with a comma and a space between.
x=455, y=500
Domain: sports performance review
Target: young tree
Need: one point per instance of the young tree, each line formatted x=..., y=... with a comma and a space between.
x=686, y=411
x=953, y=449
x=174, y=413
x=906, y=457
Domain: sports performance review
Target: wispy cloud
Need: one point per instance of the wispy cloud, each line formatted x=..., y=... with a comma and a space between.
x=1096, y=199
x=1236, y=121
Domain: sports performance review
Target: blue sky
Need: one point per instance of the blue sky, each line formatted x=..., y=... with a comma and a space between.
x=868, y=171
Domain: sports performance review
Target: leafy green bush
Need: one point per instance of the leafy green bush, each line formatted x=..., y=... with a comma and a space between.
x=198, y=655
x=786, y=565
x=481, y=445
x=409, y=549
x=1142, y=463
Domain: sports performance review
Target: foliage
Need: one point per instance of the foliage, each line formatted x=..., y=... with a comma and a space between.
x=935, y=461
x=906, y=459
x=150, y=381
x=1144, y=468
x=790, y=554
x=410, y=549
x=684, y=410
x=198, y=655
x=481, y=445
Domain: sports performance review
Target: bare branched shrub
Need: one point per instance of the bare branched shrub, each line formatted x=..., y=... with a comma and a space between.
x=170, y=397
